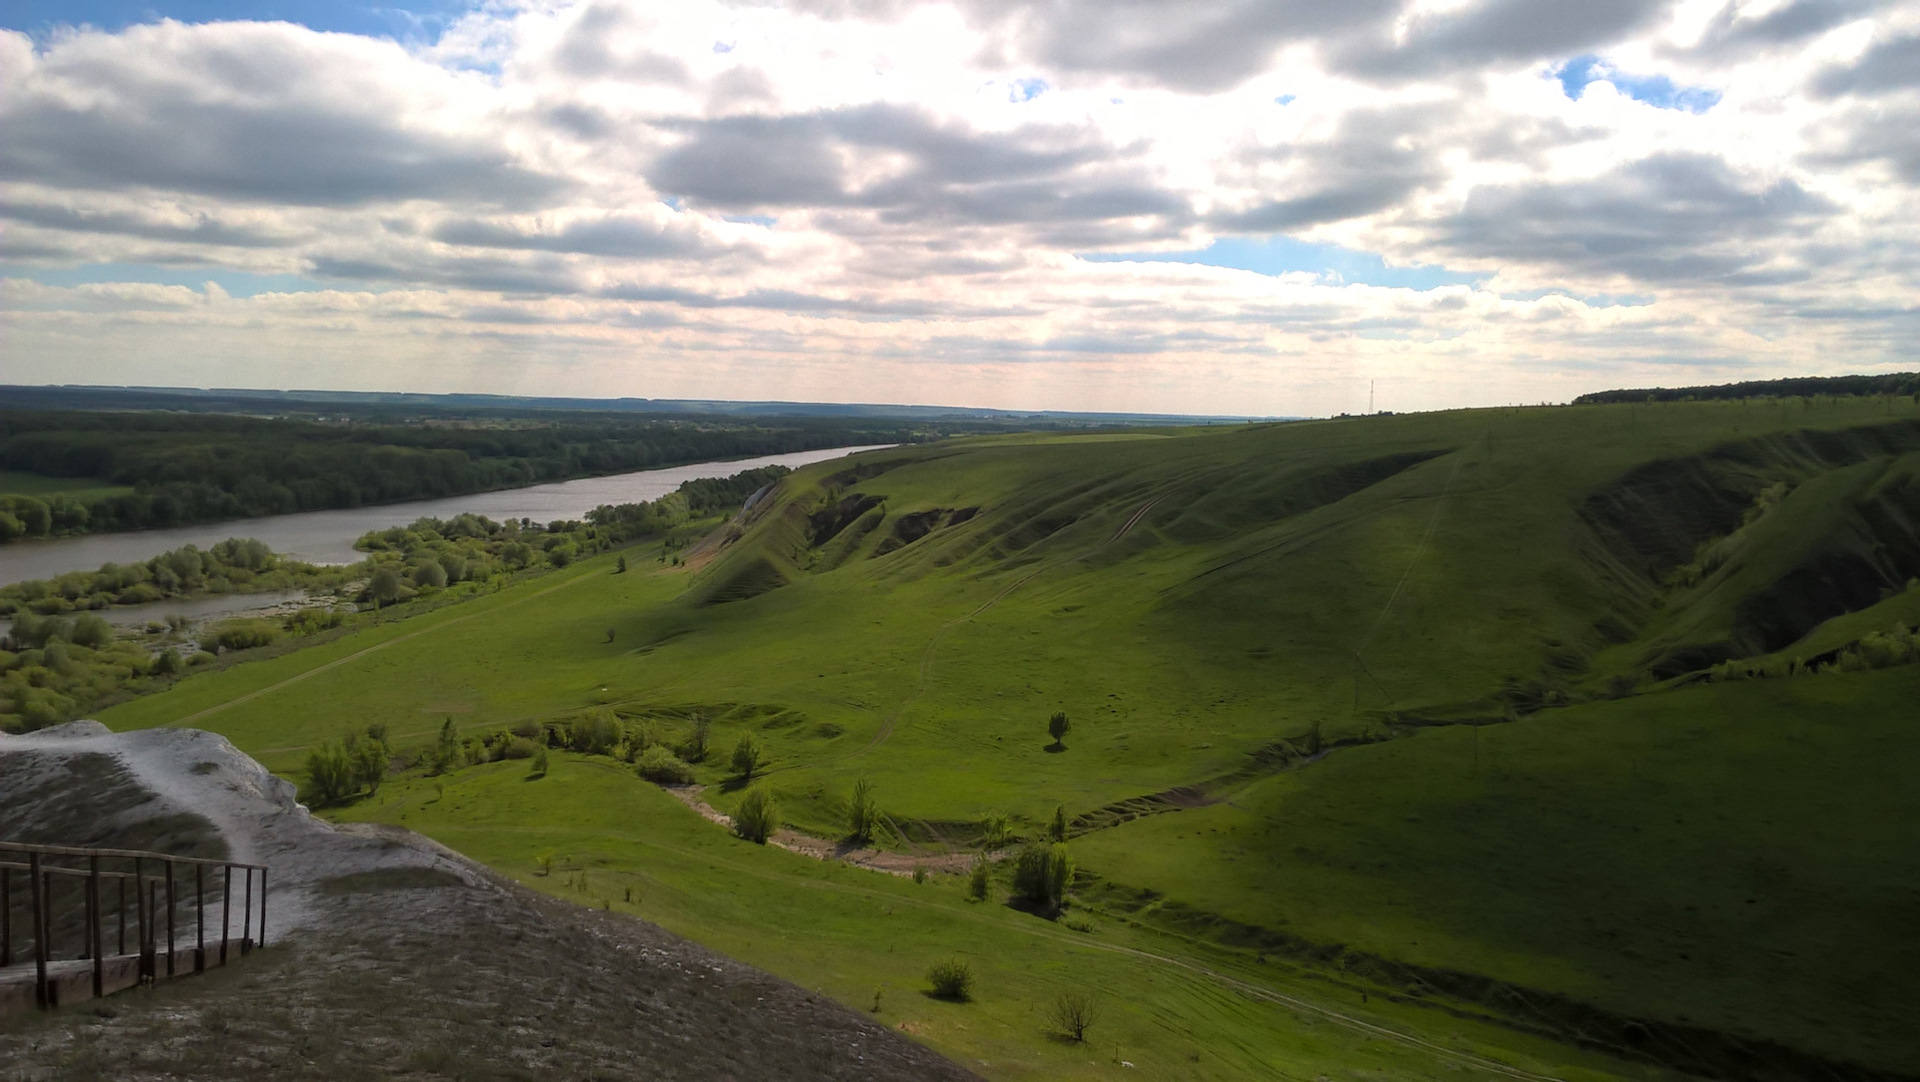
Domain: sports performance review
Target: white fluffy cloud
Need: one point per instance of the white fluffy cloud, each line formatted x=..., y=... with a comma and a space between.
x=895, y=201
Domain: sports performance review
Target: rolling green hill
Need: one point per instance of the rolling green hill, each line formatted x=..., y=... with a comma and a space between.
x=1593, y=722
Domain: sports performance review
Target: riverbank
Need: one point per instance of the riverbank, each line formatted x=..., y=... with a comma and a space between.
x=327, y=537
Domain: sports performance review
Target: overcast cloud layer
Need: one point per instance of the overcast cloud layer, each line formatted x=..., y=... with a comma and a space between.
x=962, y=203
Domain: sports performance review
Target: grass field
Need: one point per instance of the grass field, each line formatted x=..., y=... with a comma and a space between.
x=15, y=483
x=1483, y=614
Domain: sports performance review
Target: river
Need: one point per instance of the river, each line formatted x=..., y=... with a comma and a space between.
x=327, y=537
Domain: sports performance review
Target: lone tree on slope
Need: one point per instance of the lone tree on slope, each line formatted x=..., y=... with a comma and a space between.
x=1058, y=727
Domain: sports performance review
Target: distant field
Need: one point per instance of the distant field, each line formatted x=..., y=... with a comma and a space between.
x=1496, y=620
x=15, y=483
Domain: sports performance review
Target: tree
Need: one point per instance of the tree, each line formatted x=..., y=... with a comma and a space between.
x=370, y=764
x=329, y=774
x=446, y=750
x=429, y=575
x=620, y=566
x=746, y=757
x=1057, y=830
x=1073, y=1014
x=1058, y=727
x=695, y=749
x=1042, y=873
x=863, y=816
x=757, y=818
x=539, y=763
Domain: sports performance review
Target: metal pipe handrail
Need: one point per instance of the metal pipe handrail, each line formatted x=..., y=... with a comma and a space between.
x=130, y=854
x=41, y=871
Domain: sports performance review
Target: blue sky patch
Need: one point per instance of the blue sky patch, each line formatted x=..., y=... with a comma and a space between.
x=1656, y=90
x=1282, y=255
x=421, y=20
x=1027, y=89
x=1285, y=99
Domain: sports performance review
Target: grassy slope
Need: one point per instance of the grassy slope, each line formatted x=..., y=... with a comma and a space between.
x=16, y=483
x=1227, y=618
x=849, y=932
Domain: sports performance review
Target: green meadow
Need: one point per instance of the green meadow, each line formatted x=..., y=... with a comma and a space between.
x=82, y=489
x=1440, y=710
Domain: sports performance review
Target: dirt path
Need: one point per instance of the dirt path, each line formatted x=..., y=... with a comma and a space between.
x=869, y=857
x=1046, y=930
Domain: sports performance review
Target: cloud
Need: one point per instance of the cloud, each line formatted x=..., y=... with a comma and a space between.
x=1493, y=32
x=1373, y=159
x=1735, y=27
x=1887, y=66
x=622, y=196
x=613, y=235
x=263, y=112
x=1669, y=218
x=1203, y=46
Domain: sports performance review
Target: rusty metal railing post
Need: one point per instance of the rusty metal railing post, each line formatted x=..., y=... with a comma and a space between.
x=152, y=948
x=169, y=918
x=263, y=905
x=40, y=923
x=200, y=917
x=246, y=919
x=93, y=926
x=140, y=913
x=226, y=908
x=6, y=917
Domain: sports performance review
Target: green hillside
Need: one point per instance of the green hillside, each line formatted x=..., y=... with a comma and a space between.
x=1588, y=721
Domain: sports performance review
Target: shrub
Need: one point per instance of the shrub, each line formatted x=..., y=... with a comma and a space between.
x=755, y=821
x=243, y=635
x=598, y=734
x=1057, y=830
x=539, y=763
x=1072, y=1014
x=520, y=748
x=951, y=979
x=979, y=879
x=90, y=631
x=919, y=872
x=657, y=764
x=1058, y=727
x=429, y=575
x=995, y=832
x=746, y=757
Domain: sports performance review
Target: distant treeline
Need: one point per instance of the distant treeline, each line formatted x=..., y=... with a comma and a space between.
x=186, y=468
x=1900, y=383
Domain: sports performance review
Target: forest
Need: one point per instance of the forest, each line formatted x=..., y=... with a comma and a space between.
x=169, y=469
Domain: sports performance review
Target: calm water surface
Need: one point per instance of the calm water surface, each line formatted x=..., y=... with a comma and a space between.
x=327, y=537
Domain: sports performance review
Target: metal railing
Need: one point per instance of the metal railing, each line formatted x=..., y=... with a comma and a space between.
x=158, y=897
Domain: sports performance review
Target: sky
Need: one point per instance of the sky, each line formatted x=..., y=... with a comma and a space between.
x=1245, y=207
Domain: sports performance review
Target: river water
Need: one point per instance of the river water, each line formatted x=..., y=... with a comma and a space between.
x=327, y=537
